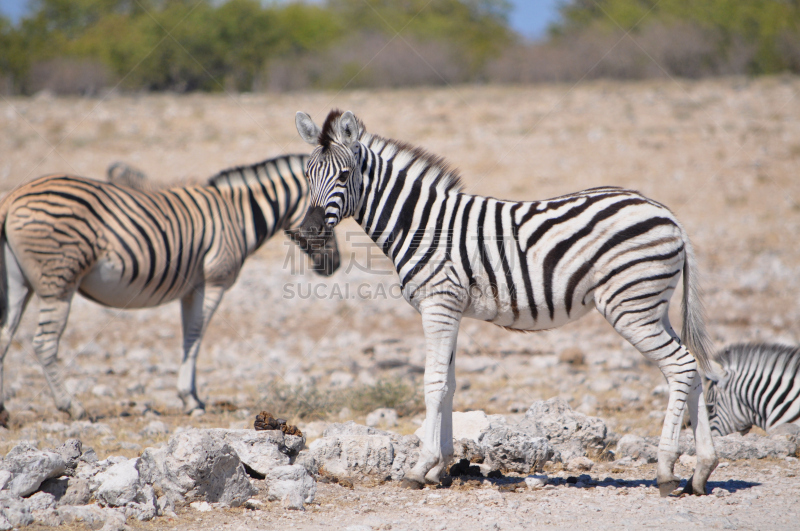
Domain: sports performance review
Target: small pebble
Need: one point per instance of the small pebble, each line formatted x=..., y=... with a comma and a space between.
x=536, y=481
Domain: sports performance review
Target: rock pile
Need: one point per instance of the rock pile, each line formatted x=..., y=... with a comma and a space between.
x=731, y=447
x=350, y=450
x=212, y=466
x=219, y=467
x=550, y=430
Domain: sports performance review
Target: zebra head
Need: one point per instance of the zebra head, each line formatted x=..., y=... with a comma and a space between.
x=333, y=170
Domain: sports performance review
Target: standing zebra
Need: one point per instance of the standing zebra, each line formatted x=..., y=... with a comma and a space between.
x=761, y=387
x=521, y=265
x=131, y=248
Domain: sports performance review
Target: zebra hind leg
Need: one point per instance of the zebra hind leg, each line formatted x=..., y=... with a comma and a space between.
x=53, y=315
x=706, y=455
x=652, y=335
x=197, y=308
x=14, y=299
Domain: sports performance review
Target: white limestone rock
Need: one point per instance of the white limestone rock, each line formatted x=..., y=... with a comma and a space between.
x=355, y=455
x=580, y=464
x=119, y=485
x=14, y=511
x=70, y=452
x=637, y=448
x=68, y=490
x=565, y=429
x=261, y=451
x=40, y=501
x=30, y=467
x=291, y=484
x=154, y=429
x=507, y=448
x=536, y=481
x=196, y=465
x=384, y=417
x=353, y=450
x=466, y=425
x=93, y=517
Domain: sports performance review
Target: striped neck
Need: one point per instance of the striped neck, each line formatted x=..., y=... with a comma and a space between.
x=267, y=197
x=396, y=178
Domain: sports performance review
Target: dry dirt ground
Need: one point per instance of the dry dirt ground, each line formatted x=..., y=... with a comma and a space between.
x=722, y=154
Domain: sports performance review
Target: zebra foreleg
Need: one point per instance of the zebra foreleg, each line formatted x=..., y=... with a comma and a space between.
x=440, y=324
x=704, y=444
x=53, y=314
x=197, y=308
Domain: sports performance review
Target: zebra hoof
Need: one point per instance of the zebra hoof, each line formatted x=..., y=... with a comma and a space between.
x=76, y=411
x=666, y=488
x=192, y=406
x=410, y=484
x=4, y=417
x=697, y=490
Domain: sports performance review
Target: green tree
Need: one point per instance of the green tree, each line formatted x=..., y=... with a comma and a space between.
x=763, y=24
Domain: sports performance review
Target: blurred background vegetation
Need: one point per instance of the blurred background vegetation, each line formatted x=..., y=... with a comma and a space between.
x=89, y=46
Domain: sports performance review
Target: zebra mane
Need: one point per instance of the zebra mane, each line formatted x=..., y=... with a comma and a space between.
x=734, y=355
x=439, y=173
x=221, y=176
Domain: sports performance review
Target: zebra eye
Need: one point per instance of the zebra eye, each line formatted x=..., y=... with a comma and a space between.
x=343, y=176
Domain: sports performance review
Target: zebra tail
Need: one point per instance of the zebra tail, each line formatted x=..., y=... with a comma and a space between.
x=694, y=333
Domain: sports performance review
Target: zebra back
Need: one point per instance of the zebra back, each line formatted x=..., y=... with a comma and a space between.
x=761, y=388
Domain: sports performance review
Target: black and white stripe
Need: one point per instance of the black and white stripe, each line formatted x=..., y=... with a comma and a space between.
x=136, y=248
x=521, y=265
x=761, y=387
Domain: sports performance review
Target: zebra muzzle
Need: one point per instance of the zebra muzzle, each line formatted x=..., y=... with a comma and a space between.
x=313, y=225
x=317, y=239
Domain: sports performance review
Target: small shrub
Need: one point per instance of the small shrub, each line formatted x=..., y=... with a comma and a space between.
x=311, y=402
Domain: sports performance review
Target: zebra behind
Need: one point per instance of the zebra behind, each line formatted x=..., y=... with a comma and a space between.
x=760, y=387
x=133, y=248
x=521, y=265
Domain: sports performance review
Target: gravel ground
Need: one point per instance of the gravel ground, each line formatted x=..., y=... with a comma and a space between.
x=722, y=154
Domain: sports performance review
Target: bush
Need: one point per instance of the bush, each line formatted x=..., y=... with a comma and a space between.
x=369, y=60
x=69, y=76
x=186, y=45
x=678, y=49
x=314, y=403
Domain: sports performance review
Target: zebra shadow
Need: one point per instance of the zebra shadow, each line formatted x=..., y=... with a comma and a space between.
x=585, y=481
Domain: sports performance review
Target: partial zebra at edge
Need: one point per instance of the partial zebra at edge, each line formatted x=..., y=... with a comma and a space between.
x=760, y=387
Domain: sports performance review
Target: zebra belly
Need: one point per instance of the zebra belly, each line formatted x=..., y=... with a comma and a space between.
x=500, y=311
x=109, y=284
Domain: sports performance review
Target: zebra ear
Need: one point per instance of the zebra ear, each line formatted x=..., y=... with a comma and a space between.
x=307, y=128
x=349, y=130
x=719, y=374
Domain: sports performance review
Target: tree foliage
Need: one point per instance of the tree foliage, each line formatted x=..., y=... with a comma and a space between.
x=188, y=45
x=770, y=27
x=212, y=45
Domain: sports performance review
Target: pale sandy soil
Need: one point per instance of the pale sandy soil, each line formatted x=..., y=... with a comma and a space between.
x=722, y=154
